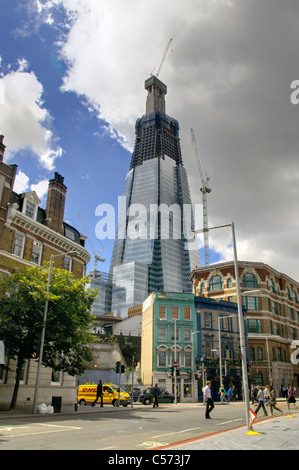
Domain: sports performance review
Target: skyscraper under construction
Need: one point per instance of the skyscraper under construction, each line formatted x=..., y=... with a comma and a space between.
x=152, y=250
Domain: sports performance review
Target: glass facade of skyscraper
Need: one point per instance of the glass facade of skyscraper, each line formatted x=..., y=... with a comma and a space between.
x=151, y=248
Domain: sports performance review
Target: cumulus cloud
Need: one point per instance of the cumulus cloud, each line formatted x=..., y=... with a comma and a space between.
x=24, y=121
x=228, y=77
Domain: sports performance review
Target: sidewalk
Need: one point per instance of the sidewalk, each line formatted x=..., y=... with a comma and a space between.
x=274, y=433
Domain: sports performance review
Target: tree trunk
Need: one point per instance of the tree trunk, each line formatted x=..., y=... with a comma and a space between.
x=17, y=383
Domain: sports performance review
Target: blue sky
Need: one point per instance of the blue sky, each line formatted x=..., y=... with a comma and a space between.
x=72, y=78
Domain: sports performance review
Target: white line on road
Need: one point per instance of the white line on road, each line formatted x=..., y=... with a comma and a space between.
x=230, y=421
x=177, y=432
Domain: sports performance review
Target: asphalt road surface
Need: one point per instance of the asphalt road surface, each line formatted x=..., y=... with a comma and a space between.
x=142, y=428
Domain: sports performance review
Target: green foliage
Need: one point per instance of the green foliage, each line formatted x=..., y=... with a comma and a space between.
x=23, y=298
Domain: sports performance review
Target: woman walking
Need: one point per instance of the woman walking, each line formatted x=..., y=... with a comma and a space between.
x=272, y=401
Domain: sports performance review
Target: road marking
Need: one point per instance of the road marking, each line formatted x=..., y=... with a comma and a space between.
x=30, y=433
x=57, y=426
x=177, y=432
x=151, y=444
x=230, y=421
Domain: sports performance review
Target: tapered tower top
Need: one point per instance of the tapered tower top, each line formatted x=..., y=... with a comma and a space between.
x=156, y=95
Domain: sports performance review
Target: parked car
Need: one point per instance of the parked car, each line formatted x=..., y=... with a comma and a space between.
x=136, y=391
x=146, y=397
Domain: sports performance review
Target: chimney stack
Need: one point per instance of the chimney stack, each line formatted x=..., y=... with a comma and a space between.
x=56, y=203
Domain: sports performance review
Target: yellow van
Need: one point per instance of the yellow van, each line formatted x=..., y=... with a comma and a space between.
x=87, y=393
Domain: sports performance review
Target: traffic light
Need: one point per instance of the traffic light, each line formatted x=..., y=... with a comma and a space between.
x=36, y=346
x=117, y=368
x=122, y=369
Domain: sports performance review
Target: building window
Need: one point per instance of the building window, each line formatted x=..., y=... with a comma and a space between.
x=250, y=281
x=293, y=333
x=188, y=358
x=162, y=311
x=30, y=210
x=274, y=306
x=161, y=357
x=18, y=244
x=254, y=326
x=208, y=320
x=251, y=354
x=187, y=313
x=202, y=287
x=276, y=329
x=272, y=286
x=162, y=333
x=216, y=283
x=229, y=283
x=36, y=253
x=260, y=356
x=277, y=354
x=67, y=263
x=257, y=378
x=252, y=303
x=187, y=334
x=289, y=293
x=175, y=313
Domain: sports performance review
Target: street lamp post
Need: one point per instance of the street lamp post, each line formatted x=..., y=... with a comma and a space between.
x=44, y=330
x=240, y=317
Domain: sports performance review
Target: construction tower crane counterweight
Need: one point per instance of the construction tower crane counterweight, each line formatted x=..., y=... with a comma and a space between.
x=205, y=189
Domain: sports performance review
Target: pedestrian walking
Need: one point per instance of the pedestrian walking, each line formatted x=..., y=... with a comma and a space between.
x=260, y=399
x=208, y=399
x=267, y=395
x=223, y=394
x=156, y=394
x=99, y=394
x=291, y=397
x=272, y=401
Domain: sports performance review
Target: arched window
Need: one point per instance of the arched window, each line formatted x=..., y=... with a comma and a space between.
x=216, y=283
x=229, y=283
x=260, y=356
x=251, y=354
x=250, y=281
x=202, y=287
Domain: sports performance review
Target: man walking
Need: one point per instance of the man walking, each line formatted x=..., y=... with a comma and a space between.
x=208, y=399
x=99, y=394
x=156, y=394
x=260, y=399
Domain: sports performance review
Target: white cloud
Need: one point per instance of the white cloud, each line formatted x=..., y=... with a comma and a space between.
x=228, y=78
x=21, y=182
x=24, y=121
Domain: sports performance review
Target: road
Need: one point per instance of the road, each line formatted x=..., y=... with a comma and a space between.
x=141, y=428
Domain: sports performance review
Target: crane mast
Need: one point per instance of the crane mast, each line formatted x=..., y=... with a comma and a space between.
x=205, y=189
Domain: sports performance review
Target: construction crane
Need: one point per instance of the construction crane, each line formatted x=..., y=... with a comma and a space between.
x=205, y=189
x=96, y=255
x=163, y=58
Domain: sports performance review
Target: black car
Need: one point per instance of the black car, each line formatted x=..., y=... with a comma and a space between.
x=146, y=397
x=136, y=391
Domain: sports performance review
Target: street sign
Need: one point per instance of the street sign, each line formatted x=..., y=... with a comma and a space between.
x=175, y=364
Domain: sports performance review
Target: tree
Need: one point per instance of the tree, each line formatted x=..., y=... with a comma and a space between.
x=23, y=297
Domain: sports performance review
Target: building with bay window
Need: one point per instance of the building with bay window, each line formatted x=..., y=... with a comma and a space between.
x=271, y=299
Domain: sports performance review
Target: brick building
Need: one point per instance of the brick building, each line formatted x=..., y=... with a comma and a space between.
x=272, y=315
x=29, y=235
